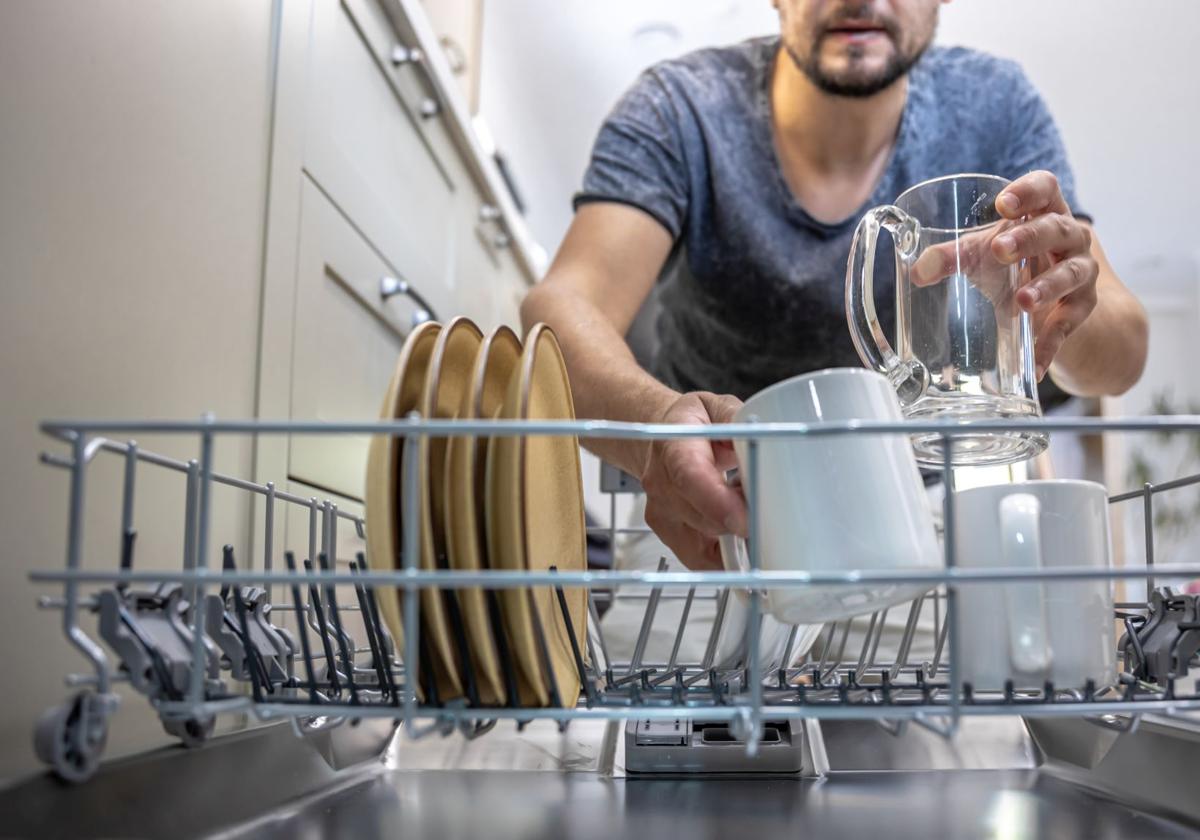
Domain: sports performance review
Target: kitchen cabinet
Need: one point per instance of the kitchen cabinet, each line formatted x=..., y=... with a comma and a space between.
x=134, y=148
x=200, y=202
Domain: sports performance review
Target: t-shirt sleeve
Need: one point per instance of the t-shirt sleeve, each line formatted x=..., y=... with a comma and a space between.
x=1035, y=143
x=638, y=158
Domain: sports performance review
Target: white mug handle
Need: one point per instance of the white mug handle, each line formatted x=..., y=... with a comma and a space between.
x=735, y=556
x=1028, y=643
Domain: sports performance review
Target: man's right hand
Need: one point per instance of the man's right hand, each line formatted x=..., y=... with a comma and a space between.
x=688, y=503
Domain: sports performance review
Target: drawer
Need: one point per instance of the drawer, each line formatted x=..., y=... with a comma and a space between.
x=366, y=149
x=345, y=344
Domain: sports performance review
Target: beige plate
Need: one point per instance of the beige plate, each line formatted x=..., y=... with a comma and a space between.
x=535, y=520
x=496, y=364
x=383, y=470
x=446, y=387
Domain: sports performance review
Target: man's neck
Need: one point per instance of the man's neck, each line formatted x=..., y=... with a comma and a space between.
x=832, y=134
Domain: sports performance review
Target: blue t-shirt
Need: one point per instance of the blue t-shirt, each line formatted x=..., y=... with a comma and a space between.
x=753, y=290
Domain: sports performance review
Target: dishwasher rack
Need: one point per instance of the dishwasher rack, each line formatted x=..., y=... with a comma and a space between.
x=235, y=653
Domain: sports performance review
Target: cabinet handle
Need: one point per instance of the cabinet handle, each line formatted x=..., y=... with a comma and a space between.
x=390, y=286
x=429, y=107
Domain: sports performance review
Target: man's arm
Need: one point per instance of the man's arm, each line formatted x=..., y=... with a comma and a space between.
x=1107, y=352
x=603, y=273
x=1091, y=332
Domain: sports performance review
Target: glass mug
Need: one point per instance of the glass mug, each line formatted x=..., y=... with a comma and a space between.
x=964, y=348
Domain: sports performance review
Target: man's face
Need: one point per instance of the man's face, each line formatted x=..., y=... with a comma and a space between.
x=856, y=47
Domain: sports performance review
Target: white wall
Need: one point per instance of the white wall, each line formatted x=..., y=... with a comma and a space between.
x=1124, y=84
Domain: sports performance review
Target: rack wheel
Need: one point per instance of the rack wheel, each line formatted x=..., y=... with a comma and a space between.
x=71, y=737
x=193, y=731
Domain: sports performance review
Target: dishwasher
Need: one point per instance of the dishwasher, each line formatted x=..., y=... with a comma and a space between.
x=844, y=740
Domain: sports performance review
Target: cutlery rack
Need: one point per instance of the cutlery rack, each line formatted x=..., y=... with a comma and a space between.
x=230, y=656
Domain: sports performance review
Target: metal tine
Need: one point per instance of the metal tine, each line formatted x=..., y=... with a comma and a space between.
x=314, y=604
x=302, y=629
x=710, y=650
x=253, y=655
x=332, y=607
x=910, y=626
x=329, y=540
x=870, y=644
x=239, y=605
x=883, y=614
x=589, y=689
x=683, y=617
x=639, y=647
x=826, y=649
x=459, y=631
x=539, y=636
x=128, y=534
x=373, y=642
x=500, y=634
x=787, y=649
x=943, y=632
x=594, y=616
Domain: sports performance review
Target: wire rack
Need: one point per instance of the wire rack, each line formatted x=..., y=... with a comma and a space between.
x=202, y=639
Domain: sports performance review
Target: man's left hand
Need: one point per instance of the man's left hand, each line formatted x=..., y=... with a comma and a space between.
x=1062, y=293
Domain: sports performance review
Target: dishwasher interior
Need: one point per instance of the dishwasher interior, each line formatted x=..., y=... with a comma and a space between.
x=871, y=729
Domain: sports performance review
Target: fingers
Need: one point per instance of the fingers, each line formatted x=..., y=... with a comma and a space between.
x=1072, y=311
x=1032, y=194
x=937, y=262
x=1049, y=233
x=1057, y=282
x=690, y=468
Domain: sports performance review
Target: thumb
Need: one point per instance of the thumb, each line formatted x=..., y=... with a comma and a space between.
x=721, y=408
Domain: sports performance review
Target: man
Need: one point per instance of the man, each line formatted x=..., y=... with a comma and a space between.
x=739, y=173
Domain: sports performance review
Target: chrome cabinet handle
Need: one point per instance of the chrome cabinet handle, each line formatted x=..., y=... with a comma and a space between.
x=429, y=107
x=501, y=239
x=390, y=286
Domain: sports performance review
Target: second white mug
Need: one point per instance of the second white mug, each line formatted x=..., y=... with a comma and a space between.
x=835, y=502
x=1031, y=632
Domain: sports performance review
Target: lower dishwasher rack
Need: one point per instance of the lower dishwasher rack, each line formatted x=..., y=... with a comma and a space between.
x=339, y=664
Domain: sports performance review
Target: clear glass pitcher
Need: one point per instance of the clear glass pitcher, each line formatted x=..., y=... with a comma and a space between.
x=964, y=348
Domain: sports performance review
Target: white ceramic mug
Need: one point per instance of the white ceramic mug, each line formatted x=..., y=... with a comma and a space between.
x=1034, y=631
x=835, y=502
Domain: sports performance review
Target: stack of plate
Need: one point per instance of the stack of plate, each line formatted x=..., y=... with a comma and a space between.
x=513, y=503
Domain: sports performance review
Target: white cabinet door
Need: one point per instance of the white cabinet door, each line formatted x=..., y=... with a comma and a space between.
x=365, y=150
x=345, y=342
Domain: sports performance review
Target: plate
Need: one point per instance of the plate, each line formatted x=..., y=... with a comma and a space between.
x=383, y=471
x=534, y=518
x=497, y=361
x=447, y=383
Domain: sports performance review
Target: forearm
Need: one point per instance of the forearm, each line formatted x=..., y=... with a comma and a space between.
x=606, y=381
x=1106, y=354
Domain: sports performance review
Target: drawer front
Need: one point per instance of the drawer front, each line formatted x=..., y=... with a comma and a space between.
x=345, y=343
x=366, y=150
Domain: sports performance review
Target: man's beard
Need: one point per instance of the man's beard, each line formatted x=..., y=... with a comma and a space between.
x=852, y=83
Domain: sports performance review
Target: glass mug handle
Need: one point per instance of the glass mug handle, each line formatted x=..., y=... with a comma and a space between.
x=909, y=378
x=1028, y=642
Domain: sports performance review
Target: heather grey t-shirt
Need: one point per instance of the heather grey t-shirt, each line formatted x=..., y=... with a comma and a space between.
x=753, y=290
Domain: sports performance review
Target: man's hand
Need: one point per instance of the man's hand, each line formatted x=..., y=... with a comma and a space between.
x=1038, y=227
x=688, y=503
x=1063, y=294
